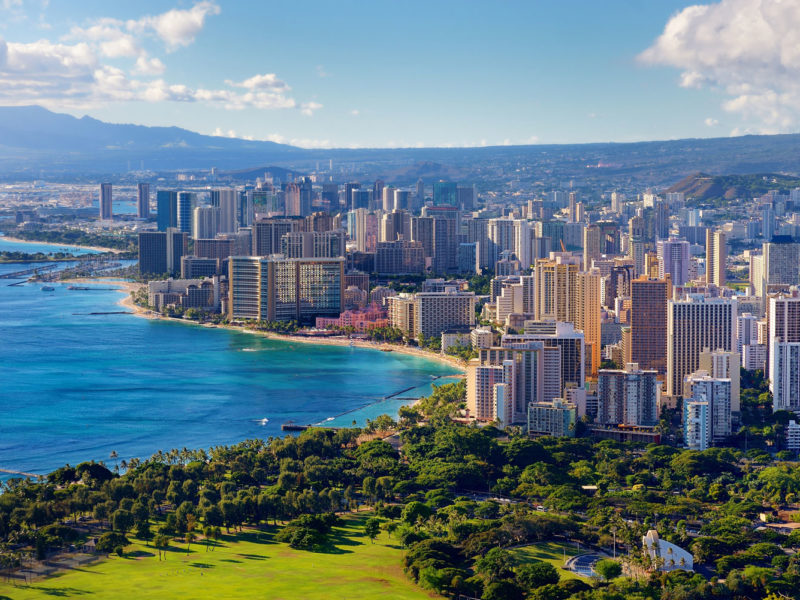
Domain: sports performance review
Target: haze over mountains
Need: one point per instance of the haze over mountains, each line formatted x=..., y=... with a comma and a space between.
x=37, y=143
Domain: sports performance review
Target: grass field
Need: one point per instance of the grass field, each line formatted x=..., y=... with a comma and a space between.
x=246, y=565
x=549, y=552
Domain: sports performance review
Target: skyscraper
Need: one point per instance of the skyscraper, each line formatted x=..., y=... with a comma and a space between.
x=445, y=193
x=784, y=352
x=143, y=201
x=628, y=397
x=205, y=222
x=673, y=259
x=106, y=210
x=267, y=234
x=186, y=204
x=283, y=289
x=707, y=410
x=225, y=200
x=167, y=204
x=161, y=252
x=716, y=257
x=694, y=324
x=781, y=262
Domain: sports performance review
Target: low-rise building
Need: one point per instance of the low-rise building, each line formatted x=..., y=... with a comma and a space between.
x=556, y=418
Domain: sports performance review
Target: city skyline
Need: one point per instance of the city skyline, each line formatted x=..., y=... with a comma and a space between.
x=363, y=75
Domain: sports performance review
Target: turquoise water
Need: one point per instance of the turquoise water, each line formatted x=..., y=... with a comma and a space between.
x=75, y=386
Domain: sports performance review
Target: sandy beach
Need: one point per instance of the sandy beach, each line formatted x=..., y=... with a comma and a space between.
x=95, y=248
x=127, y=302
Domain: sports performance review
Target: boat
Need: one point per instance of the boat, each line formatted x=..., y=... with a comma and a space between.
x=77, y=287
x=48, y=288
x=264, y=421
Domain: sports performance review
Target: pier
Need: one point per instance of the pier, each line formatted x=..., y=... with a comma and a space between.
x=22, y=473
x=27, y=272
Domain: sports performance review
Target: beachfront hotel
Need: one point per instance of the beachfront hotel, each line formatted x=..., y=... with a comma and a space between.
x=275, y=288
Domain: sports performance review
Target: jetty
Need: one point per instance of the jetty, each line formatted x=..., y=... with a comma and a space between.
x=27, y=272
x=22, y=473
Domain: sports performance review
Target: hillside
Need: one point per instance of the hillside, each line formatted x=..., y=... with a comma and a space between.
x=705, y=188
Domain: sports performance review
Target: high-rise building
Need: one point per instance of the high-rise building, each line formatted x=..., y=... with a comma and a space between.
x=445, y=193
x=428, y=314
x=586, y=314
x=783, y=348
x=716, y=257
x=161, y=252
x=106, y=209
x=707, y=410
x=467, y=197
x=186, y=204
x=571, y=345
x=395, y=225
x=313, y=244
x=483, y=382
x=143, y=201
x=348, y=194
x=360, y=199
x=617, y=200
x=556, y=418
x=781, y=262
x=696, y=323
x=746, y=331
x=399, y=257
x=167, y=204
x=555, y=289
x=420, y=193
x=225, y=200
x=285, y=289
x=422, y=231
x=445, y=243
x=673, y=259
x=268, y=233
x=719, y=364
x=646, y=342
x=628, y=397
x=218, y=248
x=533, y=380
x=402, y=200
x=205, y=222
x=377, y=195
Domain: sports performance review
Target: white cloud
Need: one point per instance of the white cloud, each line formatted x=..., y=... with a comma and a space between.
x=176, y=27
x=711, y=122
x=747, y=49
x=355, y=112
x=149, y=66
x=74, y=72
x=321, y=71
x=308, y=108
x=267, y=81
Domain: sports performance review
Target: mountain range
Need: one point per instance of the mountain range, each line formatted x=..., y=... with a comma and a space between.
x=38, y=143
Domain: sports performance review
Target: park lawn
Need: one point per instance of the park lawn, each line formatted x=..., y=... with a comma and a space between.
x=244, y=565
x=549, y=552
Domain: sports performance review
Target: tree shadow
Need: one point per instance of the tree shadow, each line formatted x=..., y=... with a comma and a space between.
x=198, y=565
x=230, y=560
x=65, y=592
x=252, y=556
x=138, y=554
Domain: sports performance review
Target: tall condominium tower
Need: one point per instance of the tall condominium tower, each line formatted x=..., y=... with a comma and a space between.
x=781, y=262
x=673, y=259
x=267, y=234
x=628, y=397
x=716, y=257
x=645, y=343
x=226, y=201
x=285, y=289
x=186, y=203
x=694, y=324
x=106, y=210
x=167, y=204
x=143, y=201
x=784, y=352
x=205, y=222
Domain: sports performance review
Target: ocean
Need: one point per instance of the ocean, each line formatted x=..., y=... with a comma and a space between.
x=76, y=386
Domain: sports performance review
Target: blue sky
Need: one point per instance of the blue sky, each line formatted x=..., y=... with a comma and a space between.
x=391, y=73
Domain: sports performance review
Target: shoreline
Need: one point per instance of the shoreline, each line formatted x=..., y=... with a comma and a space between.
x=127, y=302
x=95, y=248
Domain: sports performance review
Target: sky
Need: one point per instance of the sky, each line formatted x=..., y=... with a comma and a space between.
x=388, y=73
